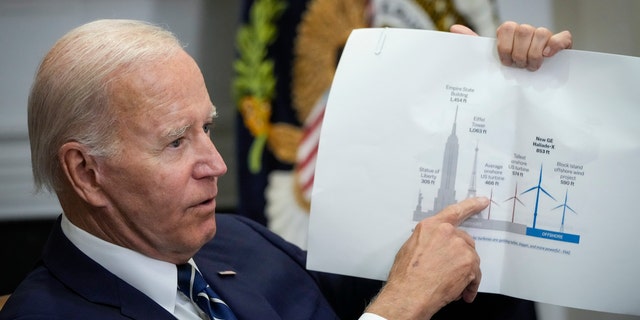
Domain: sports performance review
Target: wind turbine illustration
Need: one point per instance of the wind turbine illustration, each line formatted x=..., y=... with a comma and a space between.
x=491, y=203
x=538, y=188
x=564, y=206
x=514, y=198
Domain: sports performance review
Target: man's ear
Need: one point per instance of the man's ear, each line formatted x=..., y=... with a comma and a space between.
x=81, y=170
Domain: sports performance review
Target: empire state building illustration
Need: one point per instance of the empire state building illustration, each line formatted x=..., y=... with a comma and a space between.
x=447, y=191
x=447, y=194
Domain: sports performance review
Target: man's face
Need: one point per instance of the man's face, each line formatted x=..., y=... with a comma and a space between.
x=162, y=186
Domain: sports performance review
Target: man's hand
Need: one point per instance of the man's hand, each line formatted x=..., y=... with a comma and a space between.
x=525, y=46
x=436, y=265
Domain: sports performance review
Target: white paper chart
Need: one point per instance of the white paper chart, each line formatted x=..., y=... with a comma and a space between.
x=417, y=120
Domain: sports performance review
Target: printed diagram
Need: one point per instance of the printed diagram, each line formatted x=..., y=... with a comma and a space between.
x=520, y=205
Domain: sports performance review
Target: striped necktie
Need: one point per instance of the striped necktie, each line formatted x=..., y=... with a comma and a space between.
x=193, y=285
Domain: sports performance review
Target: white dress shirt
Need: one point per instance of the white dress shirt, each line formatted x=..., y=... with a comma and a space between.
x=156, y=279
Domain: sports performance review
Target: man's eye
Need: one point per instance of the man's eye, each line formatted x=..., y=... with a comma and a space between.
x=207, y=127
x=176, y=143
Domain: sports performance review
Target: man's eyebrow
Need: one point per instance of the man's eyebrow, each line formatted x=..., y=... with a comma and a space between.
x=177, y=132
x=213, y=113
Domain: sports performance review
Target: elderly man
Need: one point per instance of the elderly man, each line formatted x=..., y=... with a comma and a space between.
x=119, y=124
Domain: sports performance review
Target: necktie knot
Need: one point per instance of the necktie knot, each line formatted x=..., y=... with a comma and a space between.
x=193, y=285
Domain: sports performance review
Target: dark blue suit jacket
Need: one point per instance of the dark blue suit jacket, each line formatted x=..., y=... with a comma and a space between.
x=271, y=282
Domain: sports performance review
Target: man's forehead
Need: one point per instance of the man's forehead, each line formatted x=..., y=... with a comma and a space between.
x=158, y=82
x=164, y=95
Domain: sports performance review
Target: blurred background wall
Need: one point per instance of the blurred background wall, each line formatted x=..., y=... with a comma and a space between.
x=28, y=28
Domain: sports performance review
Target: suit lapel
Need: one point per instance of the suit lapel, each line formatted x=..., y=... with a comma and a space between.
x=91, y=281
x=242, y=297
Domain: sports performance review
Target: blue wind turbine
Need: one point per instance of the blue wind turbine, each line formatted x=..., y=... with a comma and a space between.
x=538, y=188
x=564, y=207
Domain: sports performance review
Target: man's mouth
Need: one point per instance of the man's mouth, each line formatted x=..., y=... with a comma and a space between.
x=206, y=202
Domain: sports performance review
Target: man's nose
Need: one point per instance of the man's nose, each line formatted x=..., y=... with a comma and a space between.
x=210, y=162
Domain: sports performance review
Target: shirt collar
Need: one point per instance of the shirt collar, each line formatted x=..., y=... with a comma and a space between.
x=156, y=279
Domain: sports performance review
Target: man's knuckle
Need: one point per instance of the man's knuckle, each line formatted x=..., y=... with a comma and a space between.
x=534, y=62
x=455, y=209
x=446, y=228
x=472, y=260
x=458, y=242
x=504, y=47
x=520, y=59
x=524, y=30
x=508, y=26
x=472, y=243
x=543, y=33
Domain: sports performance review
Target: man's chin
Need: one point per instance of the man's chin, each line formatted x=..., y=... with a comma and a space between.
x=209, y=229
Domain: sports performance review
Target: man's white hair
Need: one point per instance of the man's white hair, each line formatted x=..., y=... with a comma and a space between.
x=70, y=97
